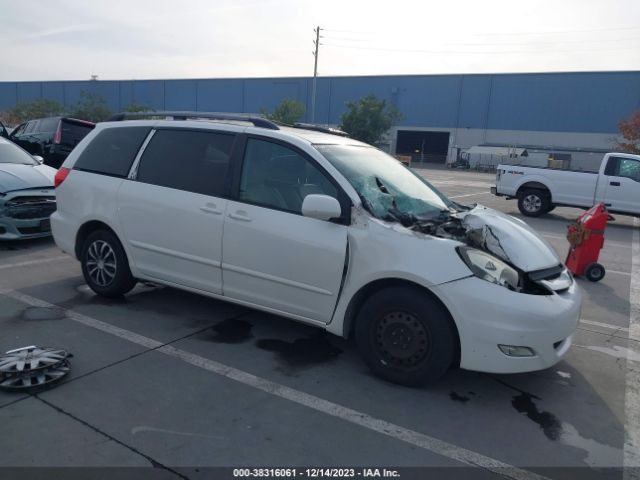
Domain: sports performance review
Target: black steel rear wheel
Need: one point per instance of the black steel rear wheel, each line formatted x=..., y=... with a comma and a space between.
x=405, y=336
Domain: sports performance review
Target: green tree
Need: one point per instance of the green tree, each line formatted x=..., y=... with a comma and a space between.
x=369, y=118
x=288, y=111
x=40, y=108
x=91, y=106
x=137, y=107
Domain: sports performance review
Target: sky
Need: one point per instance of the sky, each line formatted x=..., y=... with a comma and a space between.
x=142, y=39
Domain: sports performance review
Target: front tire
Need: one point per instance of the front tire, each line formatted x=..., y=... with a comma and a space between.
x=533, y=203
x=405, y=336
x=105, y=266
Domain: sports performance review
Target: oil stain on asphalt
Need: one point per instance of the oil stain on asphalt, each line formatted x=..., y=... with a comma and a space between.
x=456, y=397
x=548, y=422
x=232, y=331
x=303, y=352
x=596, y=454
x=43, y=313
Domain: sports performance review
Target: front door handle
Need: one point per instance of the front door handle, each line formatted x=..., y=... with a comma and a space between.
x=211, y=208
x=240, y=215
x=614, y=184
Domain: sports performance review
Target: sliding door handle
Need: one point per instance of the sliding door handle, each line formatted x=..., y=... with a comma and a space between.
x=240, y=215
x=211, y=208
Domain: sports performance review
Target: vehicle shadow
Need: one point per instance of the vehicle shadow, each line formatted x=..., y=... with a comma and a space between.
x=26, y=244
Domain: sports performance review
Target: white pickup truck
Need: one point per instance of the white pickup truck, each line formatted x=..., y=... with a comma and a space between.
x=540, y=190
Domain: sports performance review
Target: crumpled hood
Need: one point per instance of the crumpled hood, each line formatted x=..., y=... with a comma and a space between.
x=15, y=176
x=508, y=238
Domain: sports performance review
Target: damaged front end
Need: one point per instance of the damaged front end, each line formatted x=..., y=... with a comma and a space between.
x=500, y=249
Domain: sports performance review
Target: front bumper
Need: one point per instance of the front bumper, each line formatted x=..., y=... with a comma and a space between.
x=488, y=315
x=14, y=229
x=25, y=214
x=494, y=191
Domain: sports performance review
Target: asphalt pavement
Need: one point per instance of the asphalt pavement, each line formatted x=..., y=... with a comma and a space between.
x=179, y=382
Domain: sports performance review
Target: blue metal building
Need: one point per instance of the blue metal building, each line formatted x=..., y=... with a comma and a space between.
x=571, y=111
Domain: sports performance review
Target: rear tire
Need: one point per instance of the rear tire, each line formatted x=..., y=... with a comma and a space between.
x=534, y=202
x=405, y=336
x=105, y=266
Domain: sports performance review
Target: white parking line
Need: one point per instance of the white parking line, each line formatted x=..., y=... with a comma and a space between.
x=564, y=237
x=318, y=404
x=458, y=183
x=34, y=262
x=632, y=394
x=469, y=195
x=604, y=325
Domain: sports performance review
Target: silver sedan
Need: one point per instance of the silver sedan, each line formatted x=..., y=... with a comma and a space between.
x=27, y=196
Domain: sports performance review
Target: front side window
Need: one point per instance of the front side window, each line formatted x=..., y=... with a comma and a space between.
x=279, y=177
x=623, y=167
x=31, y=126
x=19, y=130
x=193, y=161
x=629, y=168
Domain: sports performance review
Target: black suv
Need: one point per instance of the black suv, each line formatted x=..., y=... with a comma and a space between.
x=52, y=138
x=3, y=131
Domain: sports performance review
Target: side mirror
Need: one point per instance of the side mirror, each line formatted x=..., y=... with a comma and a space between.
x=322, y=207
x=38, y=159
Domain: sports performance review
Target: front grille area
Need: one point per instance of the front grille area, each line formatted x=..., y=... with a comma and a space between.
x=29, y=208
x=34, y=230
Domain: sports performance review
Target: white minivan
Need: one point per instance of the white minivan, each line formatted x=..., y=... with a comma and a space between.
x=319, y=228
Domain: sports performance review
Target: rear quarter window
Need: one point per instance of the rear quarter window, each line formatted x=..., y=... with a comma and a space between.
x=48, y=125
x=73, y=132
x=112, y=151
x=193, y=161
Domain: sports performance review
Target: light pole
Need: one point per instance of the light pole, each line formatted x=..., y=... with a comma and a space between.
x=315, y=73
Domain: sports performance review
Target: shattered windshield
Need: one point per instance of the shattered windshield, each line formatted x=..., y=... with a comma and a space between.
x=388, y=189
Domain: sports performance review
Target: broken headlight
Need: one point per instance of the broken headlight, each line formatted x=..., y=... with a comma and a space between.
x=489, y=268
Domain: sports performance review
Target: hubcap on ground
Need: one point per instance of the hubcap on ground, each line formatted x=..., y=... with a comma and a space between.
x=101, y=263
x=532, y=203
x=401, y=339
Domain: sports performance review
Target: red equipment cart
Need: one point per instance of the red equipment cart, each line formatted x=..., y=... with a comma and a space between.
x=586, y=239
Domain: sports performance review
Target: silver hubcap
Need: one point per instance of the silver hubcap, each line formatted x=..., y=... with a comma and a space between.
x=101, y=263
x=532, y=203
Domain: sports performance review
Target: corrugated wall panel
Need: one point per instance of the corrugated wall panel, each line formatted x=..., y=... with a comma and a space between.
x=554, y=102
x=8, y=95
x=180, y=94
x=585, y=102
x=54, y=91
x=265, y=94
x=219, y=95
x=29, y=91
x=474, y=101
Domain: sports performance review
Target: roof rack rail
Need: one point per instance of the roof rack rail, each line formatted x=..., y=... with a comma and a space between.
x=320, y=128
x=257, y=121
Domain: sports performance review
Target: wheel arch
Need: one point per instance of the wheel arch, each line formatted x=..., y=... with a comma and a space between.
x=87, y=229
x=366, y=291
x=534, y=185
